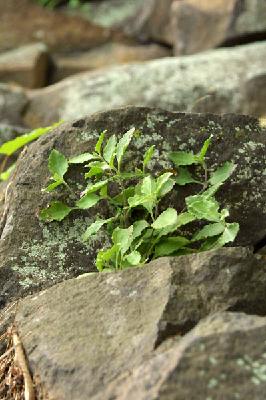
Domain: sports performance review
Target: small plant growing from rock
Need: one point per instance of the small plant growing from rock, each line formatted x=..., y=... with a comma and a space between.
x=11, y=147
x=140, y=230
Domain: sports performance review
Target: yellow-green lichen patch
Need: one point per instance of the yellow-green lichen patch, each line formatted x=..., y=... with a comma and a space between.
x=52, y=259
x=256, y=368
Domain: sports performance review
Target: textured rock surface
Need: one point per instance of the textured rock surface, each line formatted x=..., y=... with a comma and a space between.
x=221, y=81
x=27, y=66
x=190, y=25
x=108, y=326
x=34, y=255
x=200, y=25
x=224, y=357
x=106, y=55
x=13, y=101
x=59, y=31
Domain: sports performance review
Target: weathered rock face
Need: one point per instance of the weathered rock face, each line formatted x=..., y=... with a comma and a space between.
x=106, y=55
x=13, y=101
x=104, y=336
x=34, y=255
x=200, y=25
x=27, y=66
x=59, y=31
x=190, y=25
x=211, y=356
x=221, y=81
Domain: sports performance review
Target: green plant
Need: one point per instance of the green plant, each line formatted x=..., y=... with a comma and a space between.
x=9, y=148
x=140, y=230
x=54, y=3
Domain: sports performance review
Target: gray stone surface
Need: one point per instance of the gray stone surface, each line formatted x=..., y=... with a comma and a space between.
x=190, y=25
x=31, y=23
x=104, y=336
x=13, y=101
x=219, y=81
x=222, y=358
x=34, y=255
x=26, y=66
x=105, y=55
x=200, y=25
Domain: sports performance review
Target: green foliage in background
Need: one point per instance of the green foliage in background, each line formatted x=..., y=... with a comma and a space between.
x=54, y=3
x=140, y=230
x=12, y=146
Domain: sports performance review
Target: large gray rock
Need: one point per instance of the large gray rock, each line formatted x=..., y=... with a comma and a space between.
x=107, y=54
x=224, y=357
x=95, y=337
x=32, y=23
x=190, y=25
x=34, y=255
x=220, y=81
x=200, y=25
x=26, y=66
x=13, y=101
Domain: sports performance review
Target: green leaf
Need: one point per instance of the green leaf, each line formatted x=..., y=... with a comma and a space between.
x=147, y=198
x=56, y=211
x=57, y=165
x=183, y=158
x=105, y=257
x=209, y=231
x=104, y=191
x=184, y=177
x=96, y=186
x=229, y=234
x=6, y=174
x=222, y=173
x=148, y=156
x=95, y=227
x=203, y=208
x=204, y=149
x=224, y=214
x=169, y=245
x=123, y=238
x=133, y=258
x=98, y=146
x=211, y=191
x=148, y=186
x=109, y=150
x=53, y=185
x=184, y=219
x=12, y=146
x=164, y=184
x=129, y=175
x=138, y=228
x=166, y=218
x=87, y=201
x=122, y=145
x=124, y=195
x=82, y=158
x=96, y=168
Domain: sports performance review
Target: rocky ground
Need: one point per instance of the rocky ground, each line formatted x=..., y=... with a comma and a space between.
x=178, y=328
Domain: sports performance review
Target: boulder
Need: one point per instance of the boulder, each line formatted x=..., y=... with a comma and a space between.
x=26, y=66
x=222, y=358
x=110, y=13
x=59, y=31
x=123, y=335
x=200, y=25
x=35, y=255
x=13, y=101
x=105, y=55
x=188, y=25
x=219, y=81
